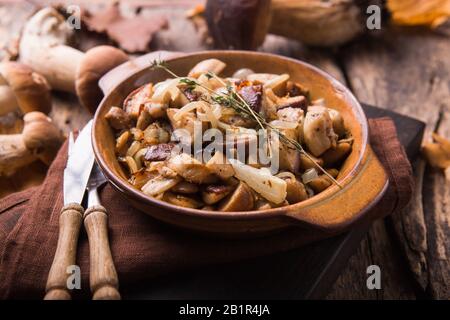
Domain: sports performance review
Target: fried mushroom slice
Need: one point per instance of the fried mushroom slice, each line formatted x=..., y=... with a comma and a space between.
x=209, y=65
x=318, y=130
x=240, y=200
x=118, y=118
x=214, y=193
x=191, y=169
x=185, y=187
x=295, y=191
x=320, y=183
x=220, y=166
x=337, y=154
x=182, y=200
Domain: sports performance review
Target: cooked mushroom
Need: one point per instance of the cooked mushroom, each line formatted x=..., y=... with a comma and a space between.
x=338, y=122
x=320, y=183
x=136, y=100
x=191, y=169
x=336, y=154
x=43, y=46
x=295, y=191
x=182, y=200
x=240, y=200
x=22, y=88
x=159, y=184
x=159, y=152
x=209, y=65
x=122, y=143
x=318, y=130
x=220, y=166
x=118, y=118
x=187, y=122
x=40, y=139
x=156, y=133
x=242, y=74
x=214, y=193
x=309, y=162
x=294, y=115
x=185, y=187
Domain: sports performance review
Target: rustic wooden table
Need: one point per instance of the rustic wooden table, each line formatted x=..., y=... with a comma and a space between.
x=405, y=70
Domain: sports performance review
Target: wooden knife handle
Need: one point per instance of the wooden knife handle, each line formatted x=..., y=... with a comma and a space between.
x=103, y=276
x=66, y=252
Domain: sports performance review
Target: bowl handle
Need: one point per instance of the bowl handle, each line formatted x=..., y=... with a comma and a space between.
x=123, y=71
x=352, y=203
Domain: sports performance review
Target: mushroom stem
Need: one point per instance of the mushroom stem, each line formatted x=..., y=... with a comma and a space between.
x=243, y=24
x=8, y=102
x=40, y=139
x=13, y=154
x=57, y=64
x=43, y=47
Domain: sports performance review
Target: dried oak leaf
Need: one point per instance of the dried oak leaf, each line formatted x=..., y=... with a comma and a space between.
x=131, y=34
x=437, y=153
x=432, y=13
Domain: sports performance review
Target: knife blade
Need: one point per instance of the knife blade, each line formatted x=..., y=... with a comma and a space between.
x=79, y=166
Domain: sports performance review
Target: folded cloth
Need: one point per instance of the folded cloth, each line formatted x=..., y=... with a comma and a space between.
x=141, y=246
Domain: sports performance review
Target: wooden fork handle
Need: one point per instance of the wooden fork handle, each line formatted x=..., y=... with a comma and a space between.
x=66, y=252
x=103, y=276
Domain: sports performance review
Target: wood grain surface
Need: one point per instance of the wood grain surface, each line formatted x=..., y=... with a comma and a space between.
x=405, y=70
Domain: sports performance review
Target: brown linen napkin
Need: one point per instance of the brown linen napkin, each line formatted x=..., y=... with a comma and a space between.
x=141, y=246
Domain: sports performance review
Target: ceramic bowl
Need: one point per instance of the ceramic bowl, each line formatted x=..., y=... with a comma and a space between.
x=334, y=210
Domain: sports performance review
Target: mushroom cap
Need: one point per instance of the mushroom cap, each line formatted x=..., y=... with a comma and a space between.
x=31, y=90
x=96, y=62
x=41, y=135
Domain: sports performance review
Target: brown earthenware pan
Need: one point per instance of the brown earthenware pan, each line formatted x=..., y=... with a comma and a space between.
x=334, y=210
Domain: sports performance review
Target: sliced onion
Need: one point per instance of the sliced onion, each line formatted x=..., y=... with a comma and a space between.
x=188, y=108
x=309, y=175
x=166, y=90
x=210, y=114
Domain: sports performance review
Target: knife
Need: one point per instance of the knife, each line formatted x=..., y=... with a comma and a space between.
x=103, y=276
x=76, y=175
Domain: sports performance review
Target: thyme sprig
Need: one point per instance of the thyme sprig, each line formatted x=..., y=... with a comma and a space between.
x=232, y=99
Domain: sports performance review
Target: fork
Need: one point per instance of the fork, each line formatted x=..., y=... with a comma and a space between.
x=103, y=278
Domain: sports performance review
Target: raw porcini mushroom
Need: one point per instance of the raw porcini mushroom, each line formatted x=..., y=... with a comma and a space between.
x=318, y=130
x=44, y=47
x=243, y=24
x=238, y=24
x=241, y=199
x=22, y=88
x=40, y=139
